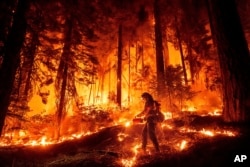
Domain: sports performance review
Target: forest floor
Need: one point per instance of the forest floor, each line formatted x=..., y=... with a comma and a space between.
x=104, y=148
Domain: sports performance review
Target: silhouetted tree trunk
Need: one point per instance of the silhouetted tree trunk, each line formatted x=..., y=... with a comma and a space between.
x=62, y=74
x=6, y=8
x=119, y=66
x=27, y=67
x=11, y=59
x=29, y=51
x=129, y=73
x=181, y=52
x=166, y=49
x=234, y=59
x=191, y=61
x=159, y=50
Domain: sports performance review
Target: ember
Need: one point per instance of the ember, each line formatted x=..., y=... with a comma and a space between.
x=129, y=162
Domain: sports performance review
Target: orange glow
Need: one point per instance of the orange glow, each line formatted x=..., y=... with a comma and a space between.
x=95, y=108
x=127, y=124
x=167, y=126
x=122, y=136
x=26, y=137
x=182, y=145
x=129, y=162
x=216, y=112
x=207, y=132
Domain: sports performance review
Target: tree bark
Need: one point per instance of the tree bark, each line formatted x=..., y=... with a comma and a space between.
x=181, y=52
x=119, y=67
x=159, y=50
x=191, y=61
x=27, y=67
x=62, y=74
x=11, y=58
x=234, y=59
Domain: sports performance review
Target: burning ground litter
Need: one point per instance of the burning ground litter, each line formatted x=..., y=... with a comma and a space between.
x=118, y=144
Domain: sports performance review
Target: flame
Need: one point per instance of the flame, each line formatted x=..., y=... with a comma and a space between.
x=135, y=149
x=183, y=144
x=127, y=124
x=10, y=140
x=24, y=137
x=129, y=162
x=168, y=115
x=207, y=132
x=216, y=112
x=189, y=108
x=121, y=136
x=166, y=125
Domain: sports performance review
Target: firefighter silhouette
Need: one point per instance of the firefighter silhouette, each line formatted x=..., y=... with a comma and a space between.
x=149, y=128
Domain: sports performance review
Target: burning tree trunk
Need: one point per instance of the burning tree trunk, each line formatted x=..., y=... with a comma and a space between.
x=159, y=49
x=119, y=66
x=234, y=59
x=11, y=59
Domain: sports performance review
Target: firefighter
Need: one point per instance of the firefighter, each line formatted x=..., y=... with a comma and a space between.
x=149, y=115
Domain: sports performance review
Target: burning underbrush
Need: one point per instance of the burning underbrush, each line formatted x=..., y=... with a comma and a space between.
x=99, y=138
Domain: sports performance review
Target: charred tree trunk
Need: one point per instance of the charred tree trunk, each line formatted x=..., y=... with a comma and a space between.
x=119, y=67
x=234, y=59
x=11, y=58
x=137, y=56
x=142, y=65
x=166, y=50
x=181, y=52
x=62, y=74
x=159, y=50
x=191, y=61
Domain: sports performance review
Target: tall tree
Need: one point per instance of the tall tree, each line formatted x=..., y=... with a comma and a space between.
x=11, y=58
x=62, y=74
x=119, y=67
x=178, y=36
x=35, y=26
x=159, y=49
x=120, y=16
x=234, y=59
x=76, y=57
x=6, y=8
x=194, y=34
x=22, y=89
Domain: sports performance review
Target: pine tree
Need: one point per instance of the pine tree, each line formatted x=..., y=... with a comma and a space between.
x=11, y=59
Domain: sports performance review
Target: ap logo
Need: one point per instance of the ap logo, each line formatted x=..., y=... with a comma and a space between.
x=240, y=158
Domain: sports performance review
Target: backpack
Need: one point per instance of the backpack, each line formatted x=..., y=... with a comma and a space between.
x=159, y=115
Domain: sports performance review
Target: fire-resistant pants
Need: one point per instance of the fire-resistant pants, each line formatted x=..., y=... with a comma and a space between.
x=149, y=130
